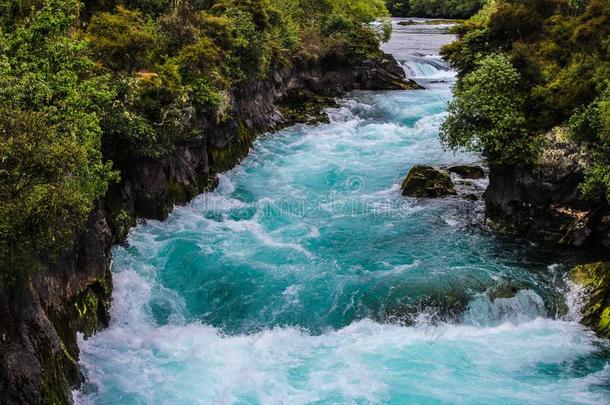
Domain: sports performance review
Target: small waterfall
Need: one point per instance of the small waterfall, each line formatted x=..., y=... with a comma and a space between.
x=419, y=66
x=525, y=305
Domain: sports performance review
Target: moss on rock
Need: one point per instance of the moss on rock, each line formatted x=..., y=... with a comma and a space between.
x=426, y=181
x=118, y=217
x=223, y=159
x=504, y=290
x=59, y=371
x=300, y=106
x=594, y=278
x=87, y=312
x=473, y=172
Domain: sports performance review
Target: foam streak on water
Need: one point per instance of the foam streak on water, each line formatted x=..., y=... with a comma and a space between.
x=307, y=278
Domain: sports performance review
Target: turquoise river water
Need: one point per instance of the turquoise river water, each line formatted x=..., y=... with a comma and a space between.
x=307, y=278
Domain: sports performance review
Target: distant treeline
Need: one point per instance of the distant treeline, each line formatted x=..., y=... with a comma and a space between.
x=434, y=8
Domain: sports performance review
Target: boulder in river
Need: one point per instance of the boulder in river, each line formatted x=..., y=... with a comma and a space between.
x=407, y=23
x=504, y=290
x=426, y=181
x=473, y=172
x=594, y=278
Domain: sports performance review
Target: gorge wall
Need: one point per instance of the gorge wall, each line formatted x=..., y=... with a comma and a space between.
x=543, y=201
x=41, y=318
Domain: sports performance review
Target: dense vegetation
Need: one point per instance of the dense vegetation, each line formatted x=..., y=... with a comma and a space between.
x=526, y=66
x=83, y=87
x=434, y=8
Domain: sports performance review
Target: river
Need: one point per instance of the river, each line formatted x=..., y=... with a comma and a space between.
x=307, y=278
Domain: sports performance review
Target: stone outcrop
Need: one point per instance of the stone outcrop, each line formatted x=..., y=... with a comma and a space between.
x=472, y=172
x=543, y=201
x=594, y=279
x=428, y=182
x=40, y=317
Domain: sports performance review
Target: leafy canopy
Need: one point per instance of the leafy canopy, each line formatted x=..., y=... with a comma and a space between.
x=486, y=114
x=556, y=68
x=51, y=166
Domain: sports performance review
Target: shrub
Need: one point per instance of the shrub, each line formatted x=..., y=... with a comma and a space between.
x=124, y=40
x=51, y=169
x=486, y=114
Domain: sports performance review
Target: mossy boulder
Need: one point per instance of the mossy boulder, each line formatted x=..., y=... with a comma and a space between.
x=504, y=290
x=473, y=172
x=428, y=182
x=302, y=106
x=594, y=278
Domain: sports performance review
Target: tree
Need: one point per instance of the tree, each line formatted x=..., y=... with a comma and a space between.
x=51, y=168
x=486, y=114
x=124, y=40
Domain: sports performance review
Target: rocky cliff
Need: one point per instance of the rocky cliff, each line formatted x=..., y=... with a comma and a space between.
x=41, y=317
x=543, y=201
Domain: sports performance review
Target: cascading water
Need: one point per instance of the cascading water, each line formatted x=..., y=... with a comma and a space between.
x=306, y=278
x=427, y=67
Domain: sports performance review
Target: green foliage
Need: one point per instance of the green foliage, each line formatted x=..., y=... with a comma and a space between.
x=250, y=40
x=12, y=11
x=434, y=8
x=174, y=69
x=591, y=124
x=205, y=97
x=561, y=51
x=124, y=40
x=486, y=114
x=399, y=8
x=150, y=7
x=51, y=168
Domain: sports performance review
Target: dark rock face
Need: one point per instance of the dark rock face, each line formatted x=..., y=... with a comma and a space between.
x=543, y=201
x=594, y=279
x=426, y=181
x=472, y=172
x=39, y=318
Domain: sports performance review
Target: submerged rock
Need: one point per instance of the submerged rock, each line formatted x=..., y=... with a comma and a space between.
x=438, y=307
x=505, y=290
x=407, y=23
x=594, y=278
x=426, y=181
x=473, y=172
